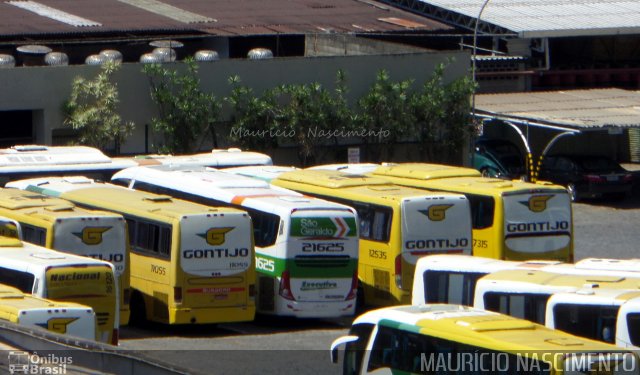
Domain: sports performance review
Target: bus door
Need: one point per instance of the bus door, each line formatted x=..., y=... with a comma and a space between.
x=216, y=258
x=431, y=226
x=91, y=285
x=322, y=257
x=538, y=226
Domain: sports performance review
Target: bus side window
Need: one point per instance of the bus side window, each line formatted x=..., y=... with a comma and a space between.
x=265, y=227
x=375, y=221
x=482, y=211
x=121, y=182
x=529, y=306
x=594, y=322
x=17, y=279
x=381, y=225
x=450, y=287
x=633, y=325
x=150, y=238
x=34, y=234
x=131, y=227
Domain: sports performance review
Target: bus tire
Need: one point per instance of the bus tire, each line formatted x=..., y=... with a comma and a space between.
x=360, y=298
x=138, y=310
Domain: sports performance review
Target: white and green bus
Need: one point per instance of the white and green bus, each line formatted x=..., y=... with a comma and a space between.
x=306, y=248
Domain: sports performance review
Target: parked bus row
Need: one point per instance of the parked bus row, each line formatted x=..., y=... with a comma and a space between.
x=102, y=234
x=306, y=248
x=594, y=298
x=63, y=278
x=27, y=161
x=511, y=220
x=397, y=224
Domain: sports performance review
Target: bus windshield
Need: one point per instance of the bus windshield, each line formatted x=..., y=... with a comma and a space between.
x=537, y=223
x=206, y=250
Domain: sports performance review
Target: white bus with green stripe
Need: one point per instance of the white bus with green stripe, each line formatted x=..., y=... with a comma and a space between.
x=306, y=248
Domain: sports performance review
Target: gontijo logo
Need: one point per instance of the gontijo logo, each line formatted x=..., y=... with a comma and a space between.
x=215, y=236
x=436, y=212
x=537, y=203
x=58, y=324
x=91, y=235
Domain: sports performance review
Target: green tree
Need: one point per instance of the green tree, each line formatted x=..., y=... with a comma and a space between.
x=253, y=117
x=384, y=114
x=92, y=110
x=317, y=116
x=186, y=113
x=442, y=119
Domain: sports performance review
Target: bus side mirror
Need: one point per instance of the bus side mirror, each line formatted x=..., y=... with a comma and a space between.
x=335, y=345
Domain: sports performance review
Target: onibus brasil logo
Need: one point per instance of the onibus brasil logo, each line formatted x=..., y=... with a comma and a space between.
x=21, y=362
x=91, y=235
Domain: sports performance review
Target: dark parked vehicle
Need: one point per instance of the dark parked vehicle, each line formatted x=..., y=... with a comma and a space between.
x=587, y=176
x=499, y=158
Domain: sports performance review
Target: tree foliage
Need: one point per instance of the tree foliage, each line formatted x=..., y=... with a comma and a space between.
x=384, y=113
x=186, y=113
x=254, y=117
x=314, y=115
x=442, y=119
x=92, y=110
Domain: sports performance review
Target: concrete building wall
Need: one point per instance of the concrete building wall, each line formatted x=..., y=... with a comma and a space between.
x=44, y=89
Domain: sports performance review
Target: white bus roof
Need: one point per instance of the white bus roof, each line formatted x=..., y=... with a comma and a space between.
x=629, y=265
x=56, y=158
x=531, y=281
x=29, y=256
x=597, y=296
x=469, y=263
x=227, y=187
x=216, y=158
x=352, y=168
x=65, y=183
x=266, y=173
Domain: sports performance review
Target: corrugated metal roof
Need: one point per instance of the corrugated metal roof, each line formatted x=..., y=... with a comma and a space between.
x=553, y=18
x=238, y=17
x=576, y=109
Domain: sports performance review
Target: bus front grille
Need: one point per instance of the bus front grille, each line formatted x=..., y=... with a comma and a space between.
x=322, y=261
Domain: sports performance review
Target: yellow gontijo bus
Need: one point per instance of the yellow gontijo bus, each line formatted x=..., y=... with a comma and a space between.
x=512, y=220
x=190, y=263
x=66, y=318
x=398, y=225
x=59, y=276
x=453, y=339
x=59, y=224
